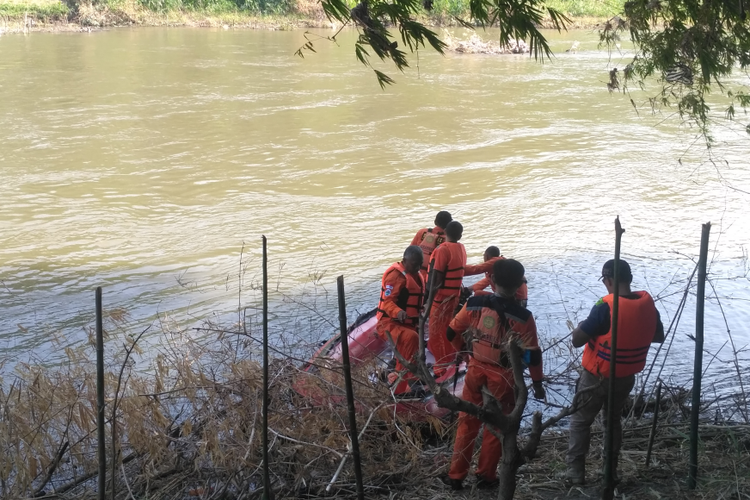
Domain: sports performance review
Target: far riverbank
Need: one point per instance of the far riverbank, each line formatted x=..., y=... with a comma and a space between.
x=26, y=16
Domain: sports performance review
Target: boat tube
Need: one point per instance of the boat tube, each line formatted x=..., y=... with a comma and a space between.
x=367, y=350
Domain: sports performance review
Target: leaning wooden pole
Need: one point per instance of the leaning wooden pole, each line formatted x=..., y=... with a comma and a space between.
x=654, y=424
x=698, y=366
x=267, y=493
x=101, y=451
x=609, y=456
x=349, y=389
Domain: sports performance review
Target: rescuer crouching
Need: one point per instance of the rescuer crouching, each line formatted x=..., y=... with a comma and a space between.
x=401, y=296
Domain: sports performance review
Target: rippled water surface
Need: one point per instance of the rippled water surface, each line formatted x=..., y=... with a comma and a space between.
x=150, y=161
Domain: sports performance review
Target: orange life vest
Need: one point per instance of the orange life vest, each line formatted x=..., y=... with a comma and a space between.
x=454, y=271
x=637, y=319
x=496, y=320
x=431, y=239
x=409, y=298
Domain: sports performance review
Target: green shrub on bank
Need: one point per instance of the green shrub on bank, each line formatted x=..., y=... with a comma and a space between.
x=451, y=8
x=587, y=8
x=42, y=12
x=54, y=10
x=273, y=7
x=572, y=8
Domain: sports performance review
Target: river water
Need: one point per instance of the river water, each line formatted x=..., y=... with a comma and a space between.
x=150, y=161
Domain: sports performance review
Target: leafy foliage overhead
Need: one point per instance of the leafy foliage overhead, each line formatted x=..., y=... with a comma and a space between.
x=689, y=47
x=382, y=22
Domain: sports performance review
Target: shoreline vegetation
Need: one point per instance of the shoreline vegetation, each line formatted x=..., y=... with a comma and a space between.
x=24, y=16
x=186, y=423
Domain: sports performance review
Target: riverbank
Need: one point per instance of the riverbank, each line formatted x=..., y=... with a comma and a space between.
x=25, y=16
x=188, y=425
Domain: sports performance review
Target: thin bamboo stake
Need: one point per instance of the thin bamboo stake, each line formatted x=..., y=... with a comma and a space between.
x=267, y=493
x=698, y=366
x=349, y=451
x=349, y=391
x=609, y=464
x=100, y=396
x=653, y=426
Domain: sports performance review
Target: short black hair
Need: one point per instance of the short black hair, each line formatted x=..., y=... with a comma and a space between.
x=442, y=219
x=508, y=273
x=608, y=270
x=492, y=251
x=454, y=230
x=414, y=252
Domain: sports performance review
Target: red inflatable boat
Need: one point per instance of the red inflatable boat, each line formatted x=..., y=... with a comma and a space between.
x=366, y=348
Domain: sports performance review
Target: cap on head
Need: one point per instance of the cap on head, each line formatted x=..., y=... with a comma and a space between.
x=454, y=230
x=608, y=270
x=442, y=219
x=508, y=273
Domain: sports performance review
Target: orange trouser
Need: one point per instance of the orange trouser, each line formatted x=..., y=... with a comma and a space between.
x=407, y=343
x=441, y=315
x=500, y=383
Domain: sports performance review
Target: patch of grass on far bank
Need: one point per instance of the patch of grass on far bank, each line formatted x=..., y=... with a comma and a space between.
x=445, y=10
x=273, y=14
x=587, y=8
x=41, y=10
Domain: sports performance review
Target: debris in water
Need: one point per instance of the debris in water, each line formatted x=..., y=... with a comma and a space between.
x=475, y=45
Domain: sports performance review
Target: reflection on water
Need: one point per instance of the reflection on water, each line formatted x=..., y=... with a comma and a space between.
x=143, y=160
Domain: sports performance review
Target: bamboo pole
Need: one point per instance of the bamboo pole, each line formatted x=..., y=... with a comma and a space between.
x=698, y=366
x=609, y=456
x=349, y=389
x=102, y=455
x=653, y=426
x=267, y=492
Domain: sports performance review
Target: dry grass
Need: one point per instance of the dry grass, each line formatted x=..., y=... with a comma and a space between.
x=188, y=426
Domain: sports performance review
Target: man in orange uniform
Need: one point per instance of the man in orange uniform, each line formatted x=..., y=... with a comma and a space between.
x=488, y=321
x=446, y=273
x=638, y=326
x=428, y=239
x=401, y=296
x=492, y=255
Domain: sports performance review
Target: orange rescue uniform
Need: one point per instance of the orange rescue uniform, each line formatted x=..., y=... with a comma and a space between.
x=449, y=259
x=428, y=239
x=490, y=319
x=400, y=291
x=522, y=295
x=636, y=324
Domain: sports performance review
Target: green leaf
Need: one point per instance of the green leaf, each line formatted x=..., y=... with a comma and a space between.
x=383, y=79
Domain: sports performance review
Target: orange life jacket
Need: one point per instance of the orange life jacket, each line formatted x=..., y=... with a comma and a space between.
x=431, y=239
x=454, y=272
x=637, y=319
x=409, y=298
x=496, y=320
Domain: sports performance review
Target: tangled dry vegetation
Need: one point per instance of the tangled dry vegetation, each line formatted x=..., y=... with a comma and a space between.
x=184, y=421
x=475, y=45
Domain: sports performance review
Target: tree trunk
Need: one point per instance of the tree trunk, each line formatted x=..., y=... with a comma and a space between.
x=510, y=463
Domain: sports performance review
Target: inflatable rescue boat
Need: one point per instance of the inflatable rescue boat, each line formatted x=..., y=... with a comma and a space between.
x=368, y=350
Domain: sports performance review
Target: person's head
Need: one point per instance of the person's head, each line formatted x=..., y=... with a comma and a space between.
x=491, y=253
x=454, y=230
x=608, y=275
x=442, y=219
x=507, y=276
x=413, y=257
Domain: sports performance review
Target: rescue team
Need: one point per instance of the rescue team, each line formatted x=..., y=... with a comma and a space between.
x=480, y=327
